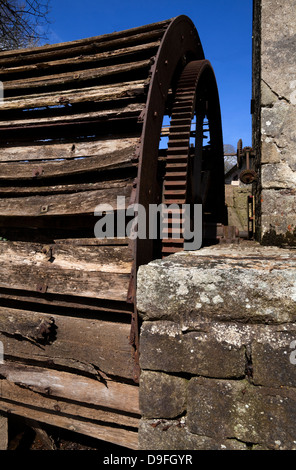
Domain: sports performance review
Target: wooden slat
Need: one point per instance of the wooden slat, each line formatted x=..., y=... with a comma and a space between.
x=81, y=203
x=81, y=61
x=70, y=78
x=28, y=325
x=69, y=150
x=82, y=344
x=25, y=171
x=48, y=119
x=106, y=42
x=116, y=435
x=65, y=188
x=16, y=394
x=95, y=258
x=113, y=395
x=89, y=306
x=97, y=272
x=87, y=94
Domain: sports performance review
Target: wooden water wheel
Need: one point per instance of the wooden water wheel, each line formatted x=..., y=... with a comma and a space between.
x=80, y=125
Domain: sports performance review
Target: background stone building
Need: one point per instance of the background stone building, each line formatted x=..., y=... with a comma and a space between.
x=274, y=119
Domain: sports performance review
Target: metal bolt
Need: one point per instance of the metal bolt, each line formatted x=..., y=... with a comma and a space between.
x=44, y=209
x=41, y=288
x=37, y=172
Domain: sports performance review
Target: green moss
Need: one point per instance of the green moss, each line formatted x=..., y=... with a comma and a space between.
x=271, y=238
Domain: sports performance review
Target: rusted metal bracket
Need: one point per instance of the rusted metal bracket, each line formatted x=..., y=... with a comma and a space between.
x=247, y=176
x=141, y=117
x=221, y=233
x=251, y=217
x=230, y=234
x=37, y=172
x=224, y=233
x=42, y=288
x=48, y=250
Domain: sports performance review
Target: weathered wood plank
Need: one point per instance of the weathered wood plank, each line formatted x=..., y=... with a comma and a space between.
x=97, y=272
x=85, y=46
x=70, y=78
x=132, y=109
x=112, y=395
x=80, y=61
x=66, y=97
x=28, y=325
x=81, y=203
x=69, y=150
x=65, y=188
x=115, y=435
x=27, y=170
x=13, y=393
x=100, y=348
x=89, y=306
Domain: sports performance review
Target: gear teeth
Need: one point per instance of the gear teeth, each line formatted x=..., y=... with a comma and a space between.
x=177, y=159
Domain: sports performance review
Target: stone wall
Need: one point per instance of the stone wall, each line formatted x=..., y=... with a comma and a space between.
x=218, y=349
x=274, y=119
x=218, y=334
x=236, y=199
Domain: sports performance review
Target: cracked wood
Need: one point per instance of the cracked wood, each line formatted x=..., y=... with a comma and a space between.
x=98, y=272
x=98, y=347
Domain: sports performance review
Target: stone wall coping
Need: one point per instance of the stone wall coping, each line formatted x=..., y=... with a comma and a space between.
x=242, y=282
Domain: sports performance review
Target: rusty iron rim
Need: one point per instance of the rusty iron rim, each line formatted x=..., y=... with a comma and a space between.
x=168, y=65
x=189, y=171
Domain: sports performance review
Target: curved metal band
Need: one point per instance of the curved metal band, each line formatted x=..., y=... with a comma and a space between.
x=180, y=45
x=193, y=178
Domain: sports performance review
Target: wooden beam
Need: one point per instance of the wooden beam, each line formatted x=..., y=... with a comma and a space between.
x=65, y=97
x=74, y=388
x=26, y=170
x=70, y=78
x=69, y=150
x=92, y=345
x=90, y=307
x=31, y=120
x=65, y=188
x=114, y=434
x=107, y=42
x=81, y=203
x=98, y=272
x=15, y=394
x=81, y=61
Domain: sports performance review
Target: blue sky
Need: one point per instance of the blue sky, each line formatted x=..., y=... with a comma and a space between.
x=224, y=27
